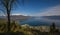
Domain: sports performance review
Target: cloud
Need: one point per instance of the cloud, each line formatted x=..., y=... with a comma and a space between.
x=18, y=14
x=50, y=11
x=2, y=14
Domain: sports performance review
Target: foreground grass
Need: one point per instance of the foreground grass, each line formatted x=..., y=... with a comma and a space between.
x=22, y=33
x=16, y=29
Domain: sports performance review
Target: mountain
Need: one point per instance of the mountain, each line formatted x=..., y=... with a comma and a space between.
x=16, y=17
x=52, y=17
x=20, y=17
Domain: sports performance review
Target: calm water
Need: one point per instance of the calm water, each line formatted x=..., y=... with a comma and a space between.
x=39, y=22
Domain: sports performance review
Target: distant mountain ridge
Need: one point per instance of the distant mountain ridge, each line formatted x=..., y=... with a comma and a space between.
x=21, y=17
x=16, y=17
x=52, y=17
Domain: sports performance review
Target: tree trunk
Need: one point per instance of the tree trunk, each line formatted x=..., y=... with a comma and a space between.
x=8, y=17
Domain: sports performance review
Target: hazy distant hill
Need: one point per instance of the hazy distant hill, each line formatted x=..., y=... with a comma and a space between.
x=52, y=17
x=17, y=17
x=20, y=17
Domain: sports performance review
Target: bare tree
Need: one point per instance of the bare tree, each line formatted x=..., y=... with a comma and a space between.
x=7, y=6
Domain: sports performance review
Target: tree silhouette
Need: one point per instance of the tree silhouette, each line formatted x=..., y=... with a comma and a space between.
x=52, y=27
x=7, y=6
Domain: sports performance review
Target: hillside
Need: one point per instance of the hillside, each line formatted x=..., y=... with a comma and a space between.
x=52, y=17
x=16, y=17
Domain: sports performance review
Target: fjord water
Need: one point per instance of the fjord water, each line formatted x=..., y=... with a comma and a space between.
x=39, y=21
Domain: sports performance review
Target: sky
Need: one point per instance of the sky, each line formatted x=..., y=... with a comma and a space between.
x=37, y=8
